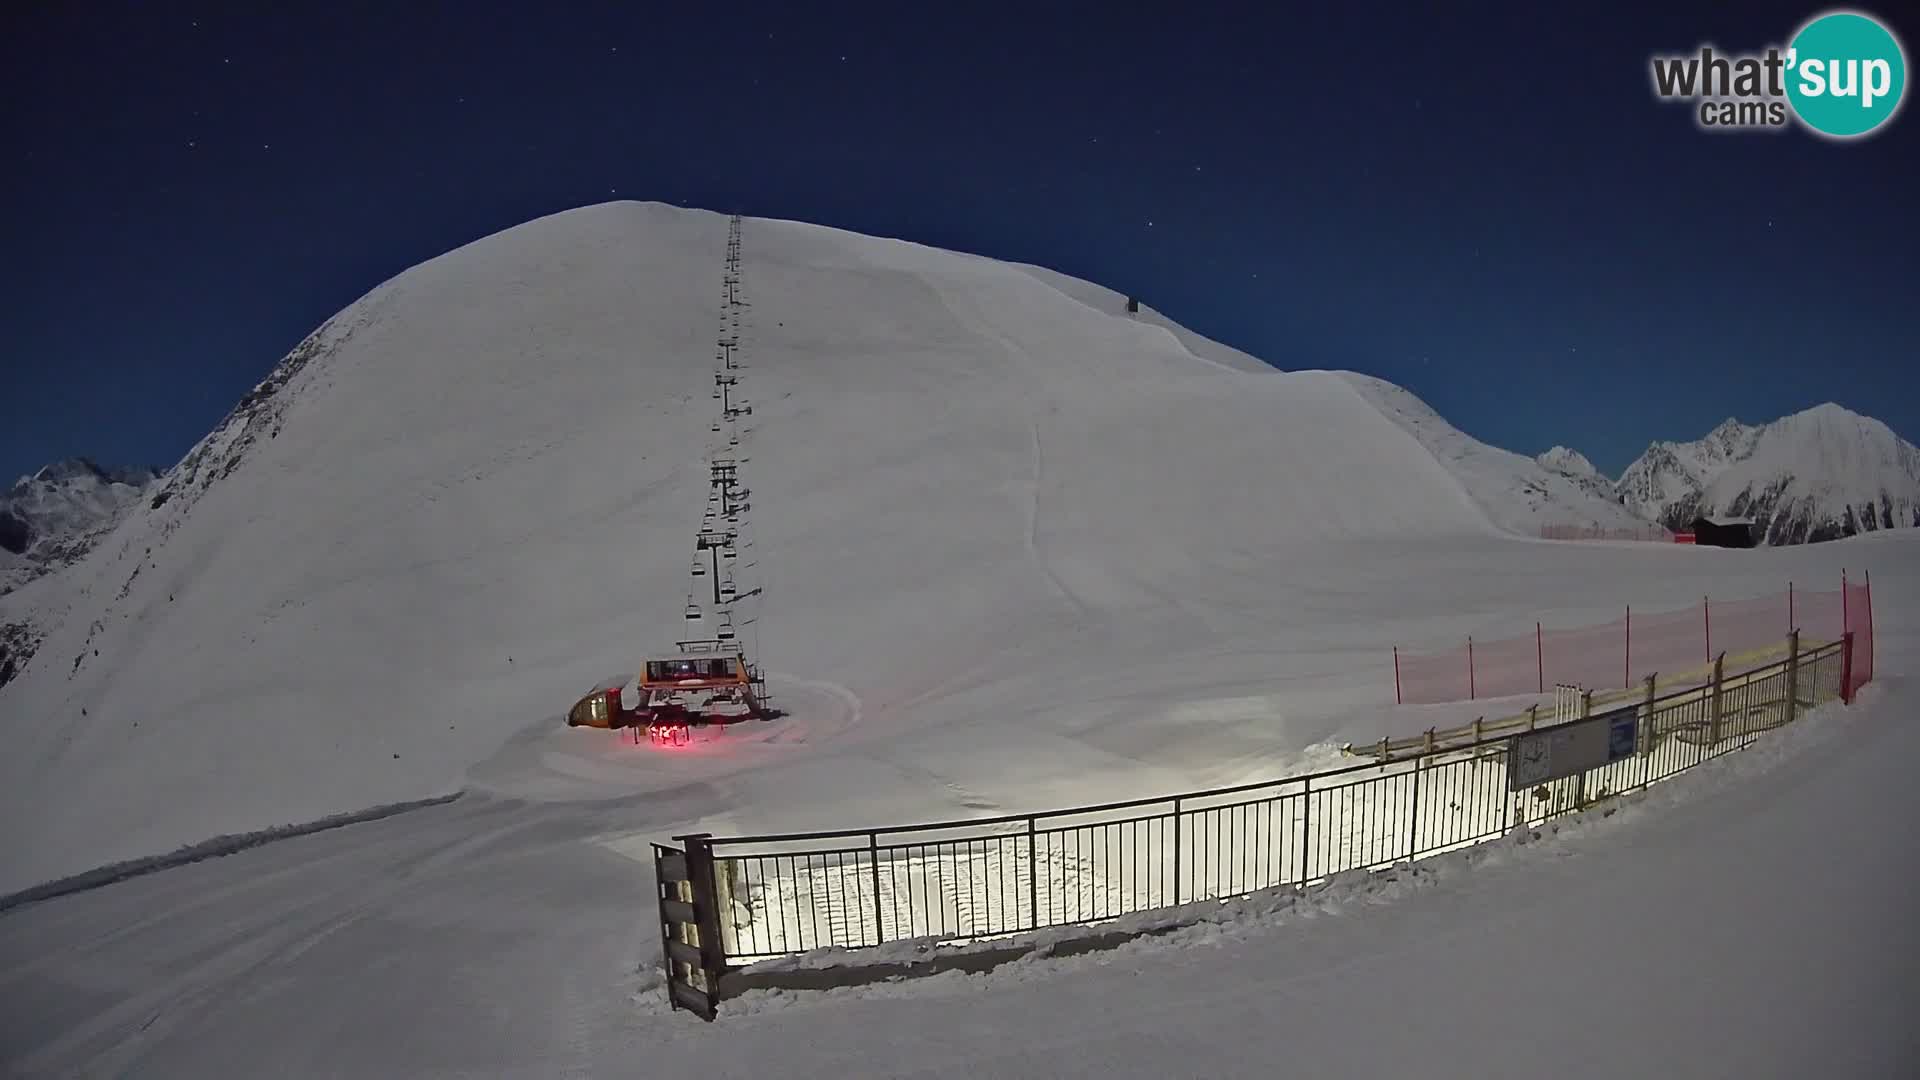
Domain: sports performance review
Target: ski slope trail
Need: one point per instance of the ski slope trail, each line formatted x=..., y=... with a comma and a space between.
x=474, y=492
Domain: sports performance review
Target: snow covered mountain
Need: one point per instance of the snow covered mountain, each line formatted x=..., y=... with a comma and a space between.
x=1574, y=465
x=1817, y=475
x=1518, y=494
x=50, y=519
x=1571, y=462
x=48, y=522
x=1004, y=533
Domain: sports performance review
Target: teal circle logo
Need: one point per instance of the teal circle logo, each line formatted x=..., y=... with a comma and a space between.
x=1845, y=74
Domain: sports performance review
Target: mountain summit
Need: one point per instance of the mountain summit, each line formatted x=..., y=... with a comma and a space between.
x=1816, y=475
x=1568, y=461
x=50, y=519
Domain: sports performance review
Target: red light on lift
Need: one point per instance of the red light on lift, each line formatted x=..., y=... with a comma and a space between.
x=670, y=734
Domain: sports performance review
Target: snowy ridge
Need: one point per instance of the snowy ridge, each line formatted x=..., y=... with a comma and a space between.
x=1107, y=300
x=1517, y=494
x=1816, y=475
x=1574, y=465
x=50, y=519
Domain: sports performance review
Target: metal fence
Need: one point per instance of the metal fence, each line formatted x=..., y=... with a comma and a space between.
x=967, y=880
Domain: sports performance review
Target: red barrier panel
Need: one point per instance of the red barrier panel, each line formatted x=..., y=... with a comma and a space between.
x=1591, y=656
x=1857, y=613
x=1506, y=667
x=1821, y=616
x=1669, y=641
x=1437, y=677
x=1743, y=626
x=1627, y=650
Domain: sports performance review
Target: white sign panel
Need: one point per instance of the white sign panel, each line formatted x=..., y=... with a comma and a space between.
x=1568, y=749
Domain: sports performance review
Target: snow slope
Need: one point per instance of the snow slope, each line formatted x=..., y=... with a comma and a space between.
x=1010, y=548
x=1516, y=493
x=473, y=493
x=1814, y=475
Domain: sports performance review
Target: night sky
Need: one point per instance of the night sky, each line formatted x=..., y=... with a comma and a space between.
x=1482, y=203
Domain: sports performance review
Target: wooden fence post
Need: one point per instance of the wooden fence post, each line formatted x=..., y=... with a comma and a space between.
x=1846, y=668
x=1793, y=673
x=1869, y=599
x=1713, y=729
x=1626, y=658
x=1706, y=619
x=1646, y=717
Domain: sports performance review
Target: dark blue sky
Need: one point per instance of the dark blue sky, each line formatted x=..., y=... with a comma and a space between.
x=1481, y=202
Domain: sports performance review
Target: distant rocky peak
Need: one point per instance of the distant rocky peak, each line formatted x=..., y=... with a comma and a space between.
x=1566, y=460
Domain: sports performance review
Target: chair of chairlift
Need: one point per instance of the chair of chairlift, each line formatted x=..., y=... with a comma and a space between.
x=699, y=567
x=693, y=612
x=729, y=553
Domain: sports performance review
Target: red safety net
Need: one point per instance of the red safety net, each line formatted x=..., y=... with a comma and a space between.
x=1857, y=616
x=1625, y=651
